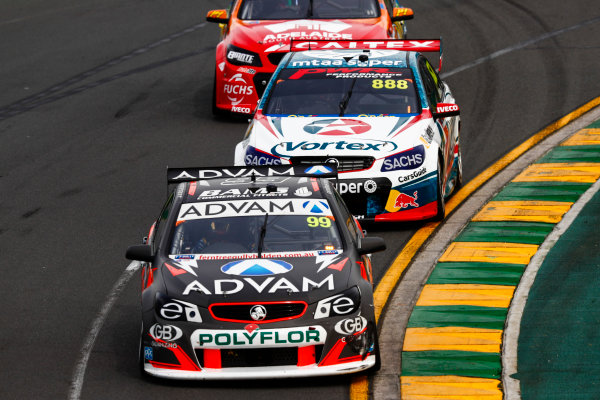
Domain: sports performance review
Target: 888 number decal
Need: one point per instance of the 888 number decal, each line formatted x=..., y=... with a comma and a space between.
x=390, y=84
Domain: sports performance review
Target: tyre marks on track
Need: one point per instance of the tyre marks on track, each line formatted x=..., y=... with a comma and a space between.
x=61, y=89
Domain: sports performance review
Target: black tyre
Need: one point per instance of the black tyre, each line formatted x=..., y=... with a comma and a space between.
x=377, y=365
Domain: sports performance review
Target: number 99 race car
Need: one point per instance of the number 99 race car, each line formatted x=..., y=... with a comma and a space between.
x=256, y=34
x=256, y=272
x=376, y=109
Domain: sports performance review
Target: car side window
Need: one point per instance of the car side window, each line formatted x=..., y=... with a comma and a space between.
x=431, y=81
x=161, y=225
x=348, y=219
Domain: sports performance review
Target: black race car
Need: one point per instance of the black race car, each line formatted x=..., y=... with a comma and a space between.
x=256, y=272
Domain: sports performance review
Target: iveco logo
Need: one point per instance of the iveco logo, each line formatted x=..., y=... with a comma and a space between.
x=258, y=313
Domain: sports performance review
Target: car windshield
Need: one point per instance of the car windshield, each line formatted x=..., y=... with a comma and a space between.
x=343, y=91
x=300, y=9
x=289, y=228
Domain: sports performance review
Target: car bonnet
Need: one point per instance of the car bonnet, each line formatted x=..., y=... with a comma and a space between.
x=217, y=278
x=329, y=135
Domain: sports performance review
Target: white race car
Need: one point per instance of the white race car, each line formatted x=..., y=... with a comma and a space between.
x=376, y=109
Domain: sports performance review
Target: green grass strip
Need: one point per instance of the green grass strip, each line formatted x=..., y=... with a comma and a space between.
x=465, y=316
x=506, y=232
x=461, y=363
x=542, y=191
x=476, y=273
x=563, y=154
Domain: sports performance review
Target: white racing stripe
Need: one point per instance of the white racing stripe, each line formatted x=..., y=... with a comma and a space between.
x=512, y=330
x=88, y=345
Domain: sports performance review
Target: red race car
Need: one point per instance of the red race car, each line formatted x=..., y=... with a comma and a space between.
x=255, y=35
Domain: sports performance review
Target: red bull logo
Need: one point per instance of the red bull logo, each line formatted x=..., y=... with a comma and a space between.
x=404, y=200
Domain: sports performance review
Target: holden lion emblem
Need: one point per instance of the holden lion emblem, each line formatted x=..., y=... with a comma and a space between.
x=258, y=313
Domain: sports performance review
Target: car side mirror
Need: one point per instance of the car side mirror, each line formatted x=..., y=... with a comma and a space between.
x=218, y=16
x=140, y=252
x=368, y=245
x=402, y=14
x=444, y=110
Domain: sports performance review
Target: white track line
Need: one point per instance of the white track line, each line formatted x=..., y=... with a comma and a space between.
x=88, y=345
x=512, y=389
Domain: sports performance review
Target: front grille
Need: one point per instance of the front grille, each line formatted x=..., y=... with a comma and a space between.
x=260, y=82
x=231, y=358
x=275, y=58
x=345, y=163
x=263, y=357
x=241, y=312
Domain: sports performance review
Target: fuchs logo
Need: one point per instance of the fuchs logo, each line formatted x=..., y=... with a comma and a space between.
x=256, y=267
x=284, y=149
x=237, y=88
x=337, y=127
x=403, y=200
x=315, y=206
x=258, y=313
x=318, y=170
x=409, y=159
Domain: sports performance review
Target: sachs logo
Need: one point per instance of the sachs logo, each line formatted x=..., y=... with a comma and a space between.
x=256, y=267
x=337, y=127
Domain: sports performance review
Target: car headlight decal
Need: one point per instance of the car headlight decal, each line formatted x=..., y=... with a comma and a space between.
x=408, y=159
x=341, y=304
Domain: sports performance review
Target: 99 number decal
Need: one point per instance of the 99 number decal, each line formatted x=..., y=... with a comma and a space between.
x=314, y=222
x=390, y=84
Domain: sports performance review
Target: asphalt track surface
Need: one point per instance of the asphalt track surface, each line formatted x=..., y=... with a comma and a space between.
x=96, y=98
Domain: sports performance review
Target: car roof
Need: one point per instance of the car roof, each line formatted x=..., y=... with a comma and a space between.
x=270, y=187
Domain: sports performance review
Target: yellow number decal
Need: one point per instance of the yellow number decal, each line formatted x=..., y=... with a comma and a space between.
x=313, y=222
x=390, y=84
x=323, y=222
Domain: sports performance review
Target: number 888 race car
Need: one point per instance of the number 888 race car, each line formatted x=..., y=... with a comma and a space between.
x=376, y=109
x=256, y=272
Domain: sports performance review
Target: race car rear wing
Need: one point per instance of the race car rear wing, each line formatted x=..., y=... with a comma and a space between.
x=177, y=175
x=421, y=45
